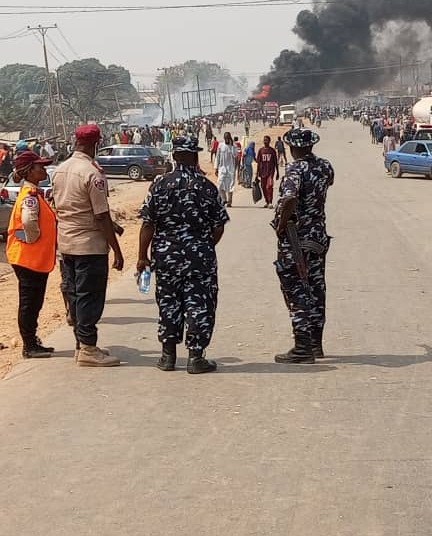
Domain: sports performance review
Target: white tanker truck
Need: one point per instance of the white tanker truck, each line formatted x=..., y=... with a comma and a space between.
x=422, y=113
x=422, y=110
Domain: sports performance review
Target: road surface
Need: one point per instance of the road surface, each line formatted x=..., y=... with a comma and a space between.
x=341, y=448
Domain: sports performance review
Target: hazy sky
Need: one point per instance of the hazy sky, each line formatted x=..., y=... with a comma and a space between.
x=245, y=40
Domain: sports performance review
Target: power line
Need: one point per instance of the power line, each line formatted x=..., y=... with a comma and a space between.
x=57, y=48
x=332, y=71
x=18, y=34
x=68, y=43
x=44, y=10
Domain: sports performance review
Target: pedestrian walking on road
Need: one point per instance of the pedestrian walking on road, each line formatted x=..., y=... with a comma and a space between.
x=267, y=166
x=85, y=234
x=280, y=150
x=249, y=157
x=389, y=141
x=31, y=248
x=184, y=220
x=225, y=168
x=213, y=149
x=300, y=224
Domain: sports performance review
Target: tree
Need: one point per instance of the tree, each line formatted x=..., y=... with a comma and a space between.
x=20, y=84
x=91, y=91
x=211, y=76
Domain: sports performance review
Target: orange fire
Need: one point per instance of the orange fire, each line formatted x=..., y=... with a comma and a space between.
x=265, y=92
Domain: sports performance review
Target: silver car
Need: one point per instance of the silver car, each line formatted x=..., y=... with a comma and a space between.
x=5, y=212
x=10, y=189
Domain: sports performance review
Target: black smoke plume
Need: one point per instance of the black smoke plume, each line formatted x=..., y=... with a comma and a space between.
x=340, y=36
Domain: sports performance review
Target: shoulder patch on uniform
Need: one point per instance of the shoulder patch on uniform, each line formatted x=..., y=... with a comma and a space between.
x=30, y=202
x=99, y=183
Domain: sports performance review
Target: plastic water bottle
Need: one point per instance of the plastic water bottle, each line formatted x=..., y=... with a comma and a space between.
x=144, y=281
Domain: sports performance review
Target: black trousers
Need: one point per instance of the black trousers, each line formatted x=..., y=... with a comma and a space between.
x=32, y=287
x=85, y=281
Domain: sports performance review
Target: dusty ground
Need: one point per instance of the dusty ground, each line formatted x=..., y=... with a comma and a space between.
x=125, y=198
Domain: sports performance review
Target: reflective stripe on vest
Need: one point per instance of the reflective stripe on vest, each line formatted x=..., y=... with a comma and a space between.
x=39, y=256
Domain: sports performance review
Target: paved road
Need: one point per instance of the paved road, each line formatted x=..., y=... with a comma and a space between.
x=341, y=448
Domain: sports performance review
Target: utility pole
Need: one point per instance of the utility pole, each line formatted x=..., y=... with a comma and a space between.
x=400, y=77
x=118, y=106
x=199, y=96
x=43, y=31
x=164, y=69
x=61, y=106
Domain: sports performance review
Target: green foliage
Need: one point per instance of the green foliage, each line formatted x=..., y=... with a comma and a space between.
x=18, y=83
x=90, y=91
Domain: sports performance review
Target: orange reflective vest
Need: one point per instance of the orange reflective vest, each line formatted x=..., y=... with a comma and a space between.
x=39, y=256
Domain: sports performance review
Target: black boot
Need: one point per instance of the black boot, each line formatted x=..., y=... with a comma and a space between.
x=198, y=364
x=301, y=353
x=49, y=349
x=317, y=347
x=33, y=350
x=169, y=357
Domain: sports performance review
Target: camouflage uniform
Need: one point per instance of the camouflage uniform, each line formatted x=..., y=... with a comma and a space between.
x=184, y=208
x=307, y=180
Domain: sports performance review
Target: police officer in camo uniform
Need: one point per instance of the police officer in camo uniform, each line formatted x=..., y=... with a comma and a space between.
x=302, y=251
x=184, y=220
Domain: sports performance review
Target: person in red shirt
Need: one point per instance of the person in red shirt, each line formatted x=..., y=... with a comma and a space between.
x=213, y=148
x=267, y=166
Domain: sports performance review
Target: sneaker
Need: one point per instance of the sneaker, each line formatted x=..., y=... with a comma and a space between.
x=105, y=351
x=92, y=356
x=265, y=206
x=271, y=207
x=36, y=352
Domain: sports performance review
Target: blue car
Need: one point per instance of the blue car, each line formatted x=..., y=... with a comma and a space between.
x=412, y=157
x=136, y=161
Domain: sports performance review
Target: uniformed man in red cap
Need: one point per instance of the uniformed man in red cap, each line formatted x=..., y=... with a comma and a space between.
x=85, y=235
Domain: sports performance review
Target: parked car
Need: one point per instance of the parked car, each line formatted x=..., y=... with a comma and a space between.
x=5, y=212
x=10, y=190
x=412, y=157
x=136, y=161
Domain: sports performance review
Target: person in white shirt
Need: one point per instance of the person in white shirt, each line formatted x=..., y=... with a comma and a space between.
x=48, y=149
x=137, y=138
x=225, y=166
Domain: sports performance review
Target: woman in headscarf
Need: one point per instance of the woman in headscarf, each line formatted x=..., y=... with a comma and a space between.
x=31, y=248
x=249, y=157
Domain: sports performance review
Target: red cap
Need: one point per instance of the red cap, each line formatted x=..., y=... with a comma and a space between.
x=88, y=134
x=27, y=158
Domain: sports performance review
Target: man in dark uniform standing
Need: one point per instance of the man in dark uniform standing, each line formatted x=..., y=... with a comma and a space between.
x=184, y=220
x=300, y=224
